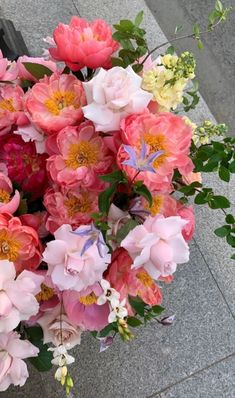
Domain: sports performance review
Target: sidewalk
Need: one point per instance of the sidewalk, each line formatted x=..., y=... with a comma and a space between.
x=195, y=358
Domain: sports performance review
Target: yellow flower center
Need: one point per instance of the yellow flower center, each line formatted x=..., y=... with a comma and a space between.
x=156, y=143
x=81, y=154
x=9, y=247
x=61, y=100
x=45, y=294
x=89, y=299
x=144, y=278
x=7, y=105
x=157, y=205
x=76, y=205
x=4, y=196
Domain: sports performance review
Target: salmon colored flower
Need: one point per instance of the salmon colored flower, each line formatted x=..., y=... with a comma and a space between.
x=8, y=204
x=8, y=70
x=56, y=102
x=82, y=44
x=11, y=108
x=37, y=221
x=83, y=155
x=23, y=72
x=18, y=243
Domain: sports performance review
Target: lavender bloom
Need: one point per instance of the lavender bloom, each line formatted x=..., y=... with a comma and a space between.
x=94, y=235
x=168, y=320
x=105, y=343
x=143, y=162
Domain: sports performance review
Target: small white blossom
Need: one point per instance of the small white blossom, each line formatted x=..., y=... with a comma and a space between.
x=61, y=374
x=119, y=312
x=109, y=294
x=60, y=356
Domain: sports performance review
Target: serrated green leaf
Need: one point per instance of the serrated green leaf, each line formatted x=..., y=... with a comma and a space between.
x=224, y=174
x=126, y=24
x=133, y=322
x=37, y=70
x=221, y=232
x=139, y=18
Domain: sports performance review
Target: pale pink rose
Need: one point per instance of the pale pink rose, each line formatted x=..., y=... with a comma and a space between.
x=82, y=308
x=12, y=350
x=17, y=301
x=8, y=204
x=11, y=108
x=8, y=70
x=192, y=177
x=82, y=44
x=69, y=266
x=157, y=245
x=23, y=72
x=113, y=95
x=55, y=102
x=73, y=206
x=31, y=133
x=83, y=156
x=166, y=132
x=57, y=328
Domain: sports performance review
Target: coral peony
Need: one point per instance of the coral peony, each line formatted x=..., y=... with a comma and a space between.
x=82, y=308
x=82, y=44
x=25, y=74
x=12, y=350
x=72, y=207
x=69, y=265
x=55, y=102
x=83, y=155
x=25, y=166
x=112, y=95
x=18, y=243
x=17, y=301
x=8, y=70
x=165, y=132
x=11, y=108
x=37, y=221
x=8, y=204
x=157, y=245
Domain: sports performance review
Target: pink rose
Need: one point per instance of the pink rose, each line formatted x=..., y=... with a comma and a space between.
x=113, y=95
x=11, y=108
x=82, y=44
x=8, y=204
x=12, y=350
x=23, y=72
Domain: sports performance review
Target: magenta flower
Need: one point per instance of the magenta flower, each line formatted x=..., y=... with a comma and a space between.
x=142, y=162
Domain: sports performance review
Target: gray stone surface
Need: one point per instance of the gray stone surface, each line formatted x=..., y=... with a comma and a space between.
x=218, y=381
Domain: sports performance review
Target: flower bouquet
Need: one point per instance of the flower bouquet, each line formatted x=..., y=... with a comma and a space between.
x=98, y=163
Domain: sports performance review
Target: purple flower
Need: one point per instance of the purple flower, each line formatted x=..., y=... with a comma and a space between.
x=168, y=320
x=142, y=162
x=105, y=343
x=94, y=236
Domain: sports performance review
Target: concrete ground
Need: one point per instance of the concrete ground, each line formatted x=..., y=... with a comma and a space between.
x=195, y=358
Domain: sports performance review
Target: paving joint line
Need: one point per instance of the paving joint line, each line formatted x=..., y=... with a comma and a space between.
x=192, y=375
x=76, y=8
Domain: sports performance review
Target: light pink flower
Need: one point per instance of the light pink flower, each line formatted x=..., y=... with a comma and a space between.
x=83, y=156
x=8, y=204
x=68, y=267
x=11, y=108
x=192, y=177
x=17, y=301
x=12, y=350
x=23, y=72
x=72, y=207
x=56, y=102
x=57, y=328
x=82, y=44
x=157, y=245
x=82, y=308
x=30, y=133
x=8, y=70
x=113, y=95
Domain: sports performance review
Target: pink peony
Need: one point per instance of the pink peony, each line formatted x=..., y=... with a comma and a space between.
x=157, y=245
x=11, y=108
x=192, y=177
x=68, y=265
x=56, y=102
x=134, y=282
x=17, y=301
x=82, y=44
x=12, y=350
x=25, y=75
x=187, y=213
x=30, y=133
x=57, y=328
x=37, y=221
x=18, y=243
x=83, y=156
x=8, y=204
x=113, y=95
x=166, y=132
x=25, y=166
x=82, y=308
x=72, y=207
x=8, y=70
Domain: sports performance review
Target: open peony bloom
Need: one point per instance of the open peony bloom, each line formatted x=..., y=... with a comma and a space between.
x=55, y=102
x=82, y=308
x=69, y=265
x=17, y=301
x=18, y=243
x=57, y=328
x=83, y=156
x=12, y=350
x=157, y=245
x=23, y=72
x=113, y=95
x=8, y=70
x=11, y=108
x=8, y=204
x=82, y=44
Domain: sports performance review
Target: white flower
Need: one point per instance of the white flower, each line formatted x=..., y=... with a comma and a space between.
x=60, y=356
x=61, y=373
x=30, y=133
x=109, y=294
x=118, y=312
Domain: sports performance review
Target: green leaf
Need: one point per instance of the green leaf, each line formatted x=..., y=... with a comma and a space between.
x=43, y=361
x=116, y=61
x=137, y=68
x=133, y=322
x=139, y=18
x=219, y=6
x=37, y=70
x=224, y=174
x=137, y=304
x=230, y=240
x=23, y=207
x=115, y=176
x=126, y=24
x=158, y=309
x=230, y=219
x=232, y=167
x=104, y=198
x=170, y=50
x=222, y=231
x=233, y=257
x=200, y=199
x=34, y=333
x=142, y=190
x=219, y=202
x=123, y=231
x=111, y=326
x=200, y=45
x=94, y=333
x=196, y=30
